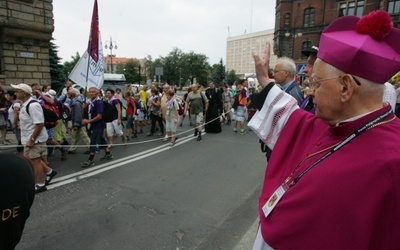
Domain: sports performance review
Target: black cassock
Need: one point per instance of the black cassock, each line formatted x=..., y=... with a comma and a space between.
x=214, y=110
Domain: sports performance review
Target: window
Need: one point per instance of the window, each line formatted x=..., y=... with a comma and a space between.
x=305, y=45
x=309, y=16
x=351, y=8
x=394, y=7
x=287, y=20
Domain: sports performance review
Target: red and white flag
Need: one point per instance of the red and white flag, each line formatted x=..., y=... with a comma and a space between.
x=89, y=71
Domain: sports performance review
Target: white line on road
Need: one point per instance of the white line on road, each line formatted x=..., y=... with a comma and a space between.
x=64, y=180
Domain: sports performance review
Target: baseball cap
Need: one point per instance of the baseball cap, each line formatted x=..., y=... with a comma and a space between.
x=23, y=87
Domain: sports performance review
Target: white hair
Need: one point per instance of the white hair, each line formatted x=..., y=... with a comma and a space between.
x=288, y=65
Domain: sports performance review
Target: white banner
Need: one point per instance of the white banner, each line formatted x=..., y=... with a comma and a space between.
x=96, y=70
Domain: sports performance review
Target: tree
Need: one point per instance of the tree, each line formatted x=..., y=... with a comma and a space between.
x=69, y=66
x=218, y=73
x=171, y=65
x=56, y=69
x=130, y=69
x=195, y=66
x=232, y=78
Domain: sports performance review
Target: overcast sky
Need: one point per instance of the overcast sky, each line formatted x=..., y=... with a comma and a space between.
x=155, y=27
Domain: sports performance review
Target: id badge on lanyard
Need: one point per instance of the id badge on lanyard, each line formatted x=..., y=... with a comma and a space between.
x=274, y=199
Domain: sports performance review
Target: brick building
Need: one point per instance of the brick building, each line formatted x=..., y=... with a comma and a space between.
x=26, y=28
x=299, y=24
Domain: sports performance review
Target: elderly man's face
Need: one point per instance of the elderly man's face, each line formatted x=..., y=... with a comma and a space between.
x=280, y=74
x=327, y=93
x=93, y=93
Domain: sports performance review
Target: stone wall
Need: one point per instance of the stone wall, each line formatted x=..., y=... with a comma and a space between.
x=26, y=28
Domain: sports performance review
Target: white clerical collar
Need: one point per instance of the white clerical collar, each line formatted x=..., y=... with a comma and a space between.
x=356, y=117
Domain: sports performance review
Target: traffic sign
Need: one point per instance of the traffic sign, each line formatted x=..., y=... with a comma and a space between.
x=300, y=68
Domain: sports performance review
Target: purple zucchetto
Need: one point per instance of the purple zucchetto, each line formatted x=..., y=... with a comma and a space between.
x=368, y=47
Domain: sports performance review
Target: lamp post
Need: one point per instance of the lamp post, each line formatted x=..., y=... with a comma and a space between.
x=293, y=36
x=111, y=46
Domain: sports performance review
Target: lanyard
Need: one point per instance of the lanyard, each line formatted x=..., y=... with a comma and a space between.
x=356, y=133
x=278, y=194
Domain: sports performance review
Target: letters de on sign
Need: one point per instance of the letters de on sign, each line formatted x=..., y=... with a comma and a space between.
x=8, y=213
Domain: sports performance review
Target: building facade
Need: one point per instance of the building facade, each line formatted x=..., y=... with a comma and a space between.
x=26, y=28
x=239, y=51
x=299, y=24
x=111, y=64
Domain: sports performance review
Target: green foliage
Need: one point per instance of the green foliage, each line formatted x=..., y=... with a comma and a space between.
x=69, y=65
x=195, y=66
x=56, y=69
x=218, y=73
x=232, y=78
x=171, y=66
x=130, y=69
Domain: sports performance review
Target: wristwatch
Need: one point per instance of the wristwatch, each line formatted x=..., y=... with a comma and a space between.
x=32, y=139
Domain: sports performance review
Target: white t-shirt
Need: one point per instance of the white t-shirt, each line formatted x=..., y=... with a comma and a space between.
x=28, y=122
x=11, y=113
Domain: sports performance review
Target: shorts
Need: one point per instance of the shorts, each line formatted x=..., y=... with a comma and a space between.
x=240, y=114
x=129, y=121
x=3, y=122
x=37, y=151
x=113, y=126
x=140, y=115
x=170, y=126
x=227, y=107
x=197, y=118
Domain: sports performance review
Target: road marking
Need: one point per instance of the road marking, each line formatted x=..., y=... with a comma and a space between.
x=64, y=180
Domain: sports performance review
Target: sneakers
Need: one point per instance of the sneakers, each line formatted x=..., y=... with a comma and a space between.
x=87, y=163
x=198, y=138
x=242, y=132
x=39, y=189
x=50, y=176
x=171, y=144
x=6, y=142
x=107, y=157
x=235, y=131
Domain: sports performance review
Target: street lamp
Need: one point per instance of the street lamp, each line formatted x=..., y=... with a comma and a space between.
x=111, y=46
x=293, y=36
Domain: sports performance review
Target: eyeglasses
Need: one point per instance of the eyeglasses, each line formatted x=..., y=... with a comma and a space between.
x=314, y=84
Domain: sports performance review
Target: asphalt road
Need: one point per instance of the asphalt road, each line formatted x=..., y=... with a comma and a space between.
x=195, y=195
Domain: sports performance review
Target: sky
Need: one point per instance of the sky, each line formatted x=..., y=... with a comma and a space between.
x=155, y=27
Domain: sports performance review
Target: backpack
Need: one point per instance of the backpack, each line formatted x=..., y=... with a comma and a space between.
x=109, y=110
x=50, y=113
x=181, y=107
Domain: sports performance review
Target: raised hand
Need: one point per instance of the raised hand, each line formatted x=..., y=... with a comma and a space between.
x=262, y=65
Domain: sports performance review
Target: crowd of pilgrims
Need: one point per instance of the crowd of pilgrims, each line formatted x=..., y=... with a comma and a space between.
x=146, y=105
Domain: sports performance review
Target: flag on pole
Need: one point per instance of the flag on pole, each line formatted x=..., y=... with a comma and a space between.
x=89, y=70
